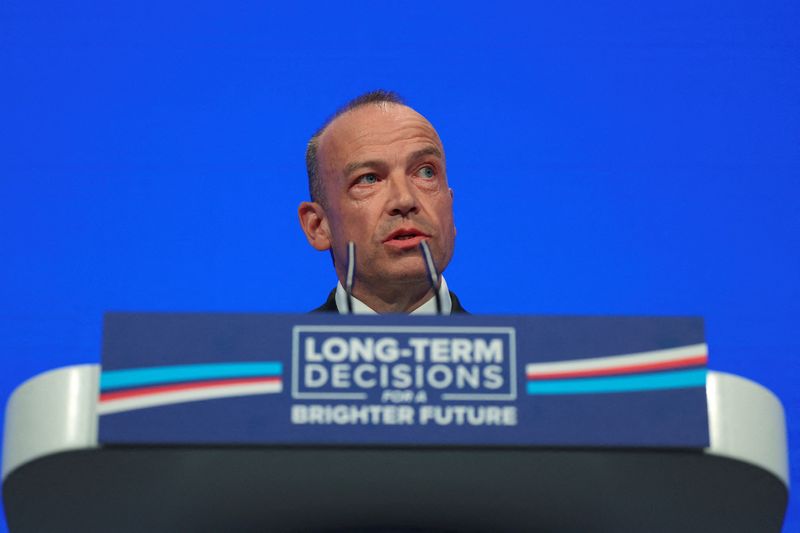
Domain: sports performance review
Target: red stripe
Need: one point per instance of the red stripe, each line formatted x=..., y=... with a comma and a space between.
x=132, y=393
x=628, y=369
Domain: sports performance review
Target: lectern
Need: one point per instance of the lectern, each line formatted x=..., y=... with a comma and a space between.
x=243, y=422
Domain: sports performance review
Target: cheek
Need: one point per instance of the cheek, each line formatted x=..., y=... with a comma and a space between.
x=353, y=223
x=444, y=210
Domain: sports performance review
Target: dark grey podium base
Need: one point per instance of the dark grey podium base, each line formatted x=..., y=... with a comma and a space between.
x=347, y=489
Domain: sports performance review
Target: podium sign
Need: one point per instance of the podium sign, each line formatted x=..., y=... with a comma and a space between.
x=313, y=379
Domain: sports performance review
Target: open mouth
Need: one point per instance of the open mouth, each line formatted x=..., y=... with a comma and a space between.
x=404, y=238
x=405, y=234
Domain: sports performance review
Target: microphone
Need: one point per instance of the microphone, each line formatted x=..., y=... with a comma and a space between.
x=350, y=278
x=433, y=274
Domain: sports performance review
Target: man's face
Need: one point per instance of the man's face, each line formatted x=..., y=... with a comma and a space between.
x=383, y=173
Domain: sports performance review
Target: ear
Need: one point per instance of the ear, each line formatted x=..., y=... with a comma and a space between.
x=314, y=222
x=455, y=232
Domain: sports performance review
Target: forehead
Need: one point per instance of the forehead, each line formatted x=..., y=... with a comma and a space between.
x=374, y=131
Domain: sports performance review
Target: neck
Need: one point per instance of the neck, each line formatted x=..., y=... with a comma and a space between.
x=393, y=299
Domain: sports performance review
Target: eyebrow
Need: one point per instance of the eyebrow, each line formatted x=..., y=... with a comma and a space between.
x=419, y=154
x=352, y=167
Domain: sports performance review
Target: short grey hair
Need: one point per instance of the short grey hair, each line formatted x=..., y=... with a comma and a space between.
x=315, y=186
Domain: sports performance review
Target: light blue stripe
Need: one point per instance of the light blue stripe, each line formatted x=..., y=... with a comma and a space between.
x=640, y=382
x=136, y=377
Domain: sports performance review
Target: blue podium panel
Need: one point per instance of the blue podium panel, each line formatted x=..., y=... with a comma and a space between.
x=193, y=378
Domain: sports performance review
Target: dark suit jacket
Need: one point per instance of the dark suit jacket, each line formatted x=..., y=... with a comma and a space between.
x=330, y=304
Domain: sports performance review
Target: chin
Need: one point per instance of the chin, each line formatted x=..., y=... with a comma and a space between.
x=407, y=276
x=409, y=270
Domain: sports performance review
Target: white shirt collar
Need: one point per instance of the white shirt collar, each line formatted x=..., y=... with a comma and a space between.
x=428, y=308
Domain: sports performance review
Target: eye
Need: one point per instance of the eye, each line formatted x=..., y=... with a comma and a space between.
x=426, y=172
x=367, y=179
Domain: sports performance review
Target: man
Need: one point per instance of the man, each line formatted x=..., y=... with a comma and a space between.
x=376, y=174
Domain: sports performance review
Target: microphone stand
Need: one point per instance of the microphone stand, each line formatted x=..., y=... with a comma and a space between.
x=433, y=274
x=350, y=278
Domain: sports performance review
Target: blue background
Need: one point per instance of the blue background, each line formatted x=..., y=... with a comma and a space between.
x=614, y=158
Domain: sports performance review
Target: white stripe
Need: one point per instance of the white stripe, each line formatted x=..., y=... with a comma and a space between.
x=612, y=361
x=183, y=396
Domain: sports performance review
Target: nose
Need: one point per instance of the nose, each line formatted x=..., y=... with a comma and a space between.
x=402, y=199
